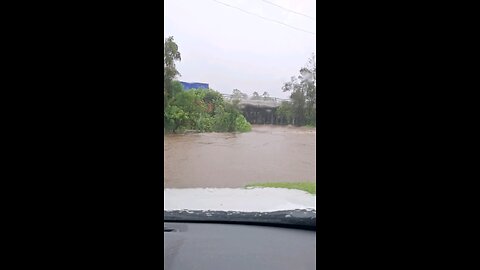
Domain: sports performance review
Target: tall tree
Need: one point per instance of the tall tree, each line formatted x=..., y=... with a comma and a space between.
x=255, y=95
x=308, y=81
x=170, y=55
x=303, y=94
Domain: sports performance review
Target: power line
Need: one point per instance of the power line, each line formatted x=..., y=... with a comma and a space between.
x=289, y=10
x=279, y=22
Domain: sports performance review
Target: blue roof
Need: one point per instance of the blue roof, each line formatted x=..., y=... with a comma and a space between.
x=194, y=85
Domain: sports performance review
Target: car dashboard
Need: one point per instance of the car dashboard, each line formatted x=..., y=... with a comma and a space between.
x=237, y=246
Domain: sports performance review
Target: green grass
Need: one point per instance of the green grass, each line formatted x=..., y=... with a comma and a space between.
x=310, y=187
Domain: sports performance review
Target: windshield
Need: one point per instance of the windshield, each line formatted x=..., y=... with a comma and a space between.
x=240, y=110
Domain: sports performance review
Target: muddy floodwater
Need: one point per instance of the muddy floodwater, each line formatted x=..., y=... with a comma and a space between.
x=266, y=154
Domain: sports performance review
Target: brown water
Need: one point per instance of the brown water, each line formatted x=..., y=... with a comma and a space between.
x=266, y=154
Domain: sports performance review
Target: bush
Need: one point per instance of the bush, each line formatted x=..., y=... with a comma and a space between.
x=203, y=110
x=175, y=118
x=241, y=124
x=205, y=123
x=223, y=122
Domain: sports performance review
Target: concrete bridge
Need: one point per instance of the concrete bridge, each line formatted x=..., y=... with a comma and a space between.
x=270, y=102
x=260, y=111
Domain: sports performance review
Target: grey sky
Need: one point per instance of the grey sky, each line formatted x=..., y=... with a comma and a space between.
x=229, y=49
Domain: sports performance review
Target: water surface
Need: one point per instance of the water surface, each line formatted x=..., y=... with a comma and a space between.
x=266, y=154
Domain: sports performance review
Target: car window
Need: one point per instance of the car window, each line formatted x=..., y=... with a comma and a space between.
x=239, y=105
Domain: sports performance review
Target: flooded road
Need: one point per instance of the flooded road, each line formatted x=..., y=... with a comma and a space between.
x=266, y=154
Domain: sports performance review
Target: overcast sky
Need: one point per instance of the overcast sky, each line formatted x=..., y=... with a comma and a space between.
x=229, y=49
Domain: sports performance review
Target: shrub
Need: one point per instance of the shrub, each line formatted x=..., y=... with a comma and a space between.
x=241, y=124
x=203, y=110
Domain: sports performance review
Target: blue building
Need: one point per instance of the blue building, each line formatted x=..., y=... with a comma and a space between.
x=194, y=85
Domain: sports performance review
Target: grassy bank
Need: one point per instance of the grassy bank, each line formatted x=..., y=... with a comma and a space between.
x=309, y=187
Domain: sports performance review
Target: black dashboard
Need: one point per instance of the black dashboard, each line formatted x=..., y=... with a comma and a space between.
x=237, y=246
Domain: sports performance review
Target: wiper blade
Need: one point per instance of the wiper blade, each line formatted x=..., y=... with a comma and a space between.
x=304, y=219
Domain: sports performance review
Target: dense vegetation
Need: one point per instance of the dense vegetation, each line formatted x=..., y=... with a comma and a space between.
x=202, y=110
x=302, y=108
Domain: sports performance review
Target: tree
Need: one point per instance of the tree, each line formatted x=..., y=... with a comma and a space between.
x=309, y=80
x=212, y=100
x=284, y=112
x=303, y=94
x=176, y=88
x=255, y=96
x=265, y=95
x=236, y=94
x=170, y=55
x=175, y=117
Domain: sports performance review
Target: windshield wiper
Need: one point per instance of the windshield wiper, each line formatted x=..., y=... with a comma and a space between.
x=303, y=219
